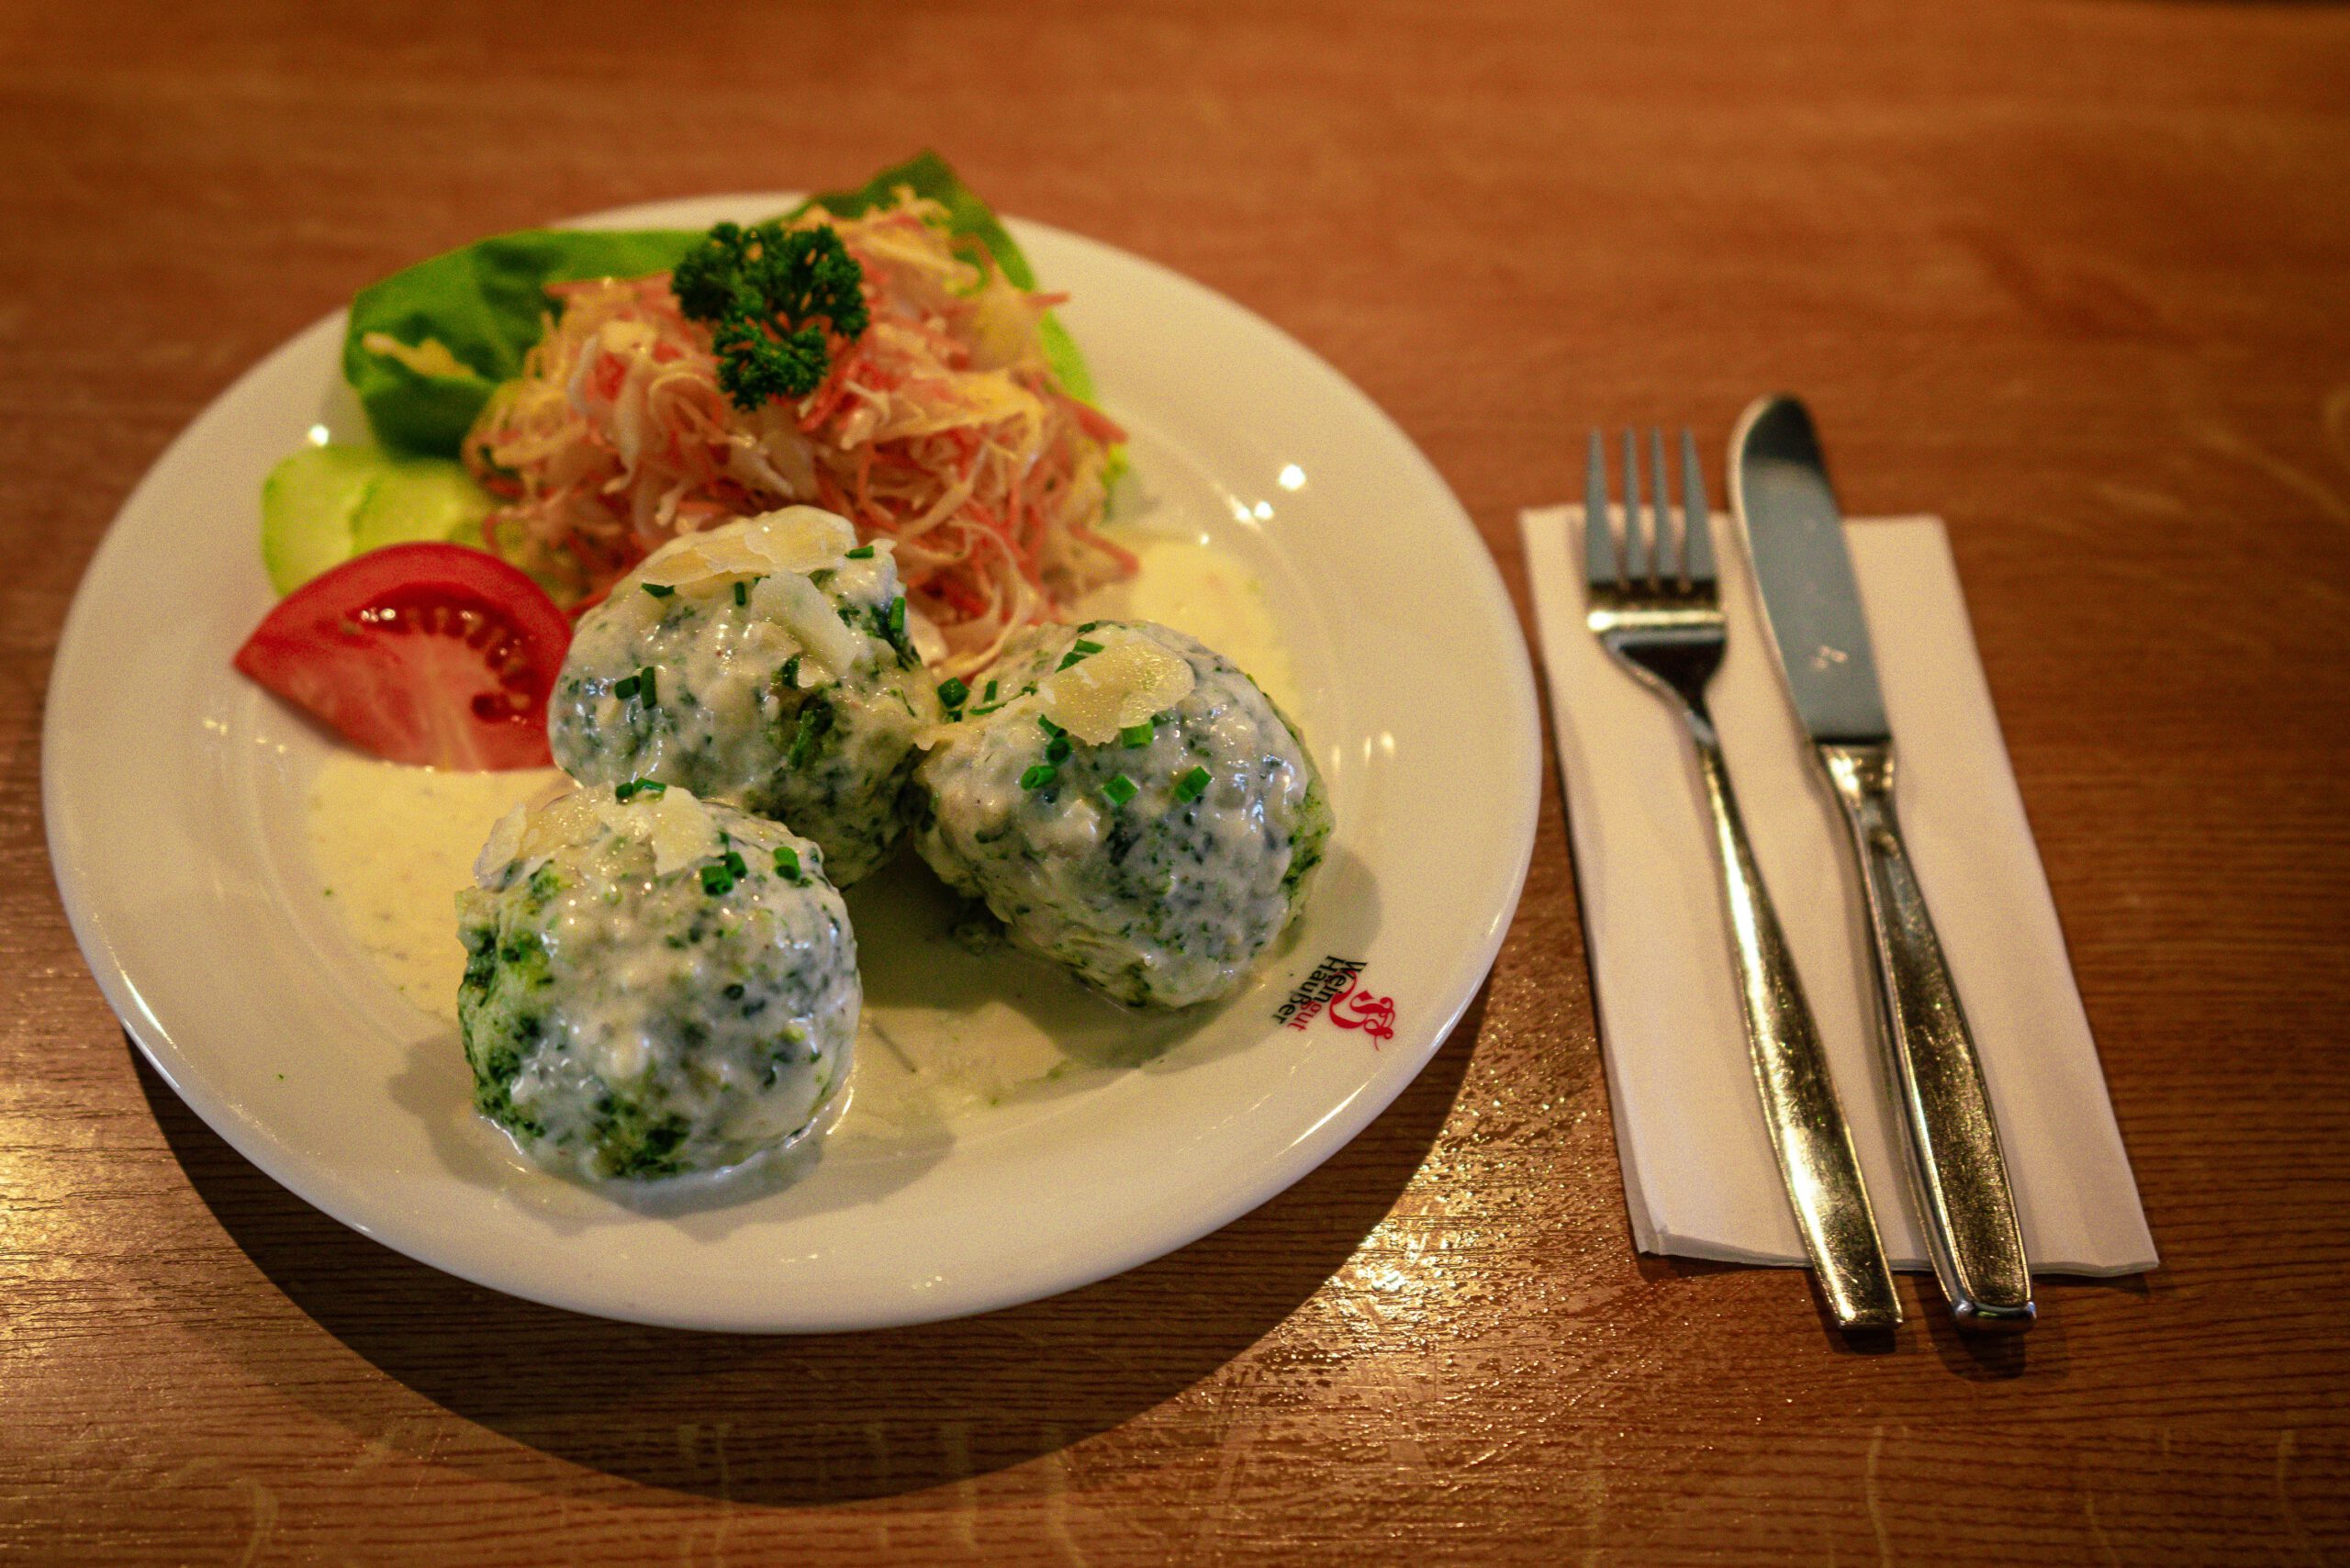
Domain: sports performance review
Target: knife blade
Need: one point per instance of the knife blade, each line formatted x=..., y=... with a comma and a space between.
x=1803, y=577
x=1804, y=574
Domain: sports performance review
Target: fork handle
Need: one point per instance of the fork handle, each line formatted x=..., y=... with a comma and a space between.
x=1799, y=1106
x=1960, y=1177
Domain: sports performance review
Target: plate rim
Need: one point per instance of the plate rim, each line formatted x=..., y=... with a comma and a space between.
x=250, y=1134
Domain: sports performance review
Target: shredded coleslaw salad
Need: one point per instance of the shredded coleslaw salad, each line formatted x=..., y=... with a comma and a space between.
x=941, y=427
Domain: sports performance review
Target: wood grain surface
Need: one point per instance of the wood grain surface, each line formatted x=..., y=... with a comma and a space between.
x=2072, y=274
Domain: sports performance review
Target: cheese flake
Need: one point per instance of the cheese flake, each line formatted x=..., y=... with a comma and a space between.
x=800, y=607
x=505, y=843
x=797, y=540
x=1123, y=685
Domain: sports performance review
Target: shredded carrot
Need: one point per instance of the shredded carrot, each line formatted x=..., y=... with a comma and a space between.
x=941, y=428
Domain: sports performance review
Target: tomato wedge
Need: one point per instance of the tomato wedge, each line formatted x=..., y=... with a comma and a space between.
x=431, y=654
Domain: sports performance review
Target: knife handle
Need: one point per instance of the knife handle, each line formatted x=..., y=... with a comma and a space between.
x=1809, y=1136
x=1960, y=1176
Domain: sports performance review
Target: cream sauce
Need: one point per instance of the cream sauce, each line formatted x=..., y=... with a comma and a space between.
x=948, y=1032
x=1193, y=587
x=392, y=845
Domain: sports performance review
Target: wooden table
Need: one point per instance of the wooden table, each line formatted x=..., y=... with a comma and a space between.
x=2072, y=274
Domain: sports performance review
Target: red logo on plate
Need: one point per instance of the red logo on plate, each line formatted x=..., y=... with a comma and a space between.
x=1333, y=988
x=1358, y=1009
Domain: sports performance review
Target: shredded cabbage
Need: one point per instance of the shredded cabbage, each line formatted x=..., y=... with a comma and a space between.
x=941, y=428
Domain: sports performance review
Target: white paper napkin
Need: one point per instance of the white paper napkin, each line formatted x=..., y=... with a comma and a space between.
x=1698, y=1174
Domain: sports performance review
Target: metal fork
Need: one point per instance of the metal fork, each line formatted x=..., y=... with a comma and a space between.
x=1658, y=610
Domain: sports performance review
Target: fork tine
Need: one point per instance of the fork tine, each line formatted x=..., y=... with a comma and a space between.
x=1598, y=532
x=1635, y=535
x=1660, y=510
x=1696, y=515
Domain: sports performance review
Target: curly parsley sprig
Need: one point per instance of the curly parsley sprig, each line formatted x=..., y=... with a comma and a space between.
x=764, y=291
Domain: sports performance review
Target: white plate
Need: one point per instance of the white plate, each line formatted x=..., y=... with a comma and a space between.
x=174, y=793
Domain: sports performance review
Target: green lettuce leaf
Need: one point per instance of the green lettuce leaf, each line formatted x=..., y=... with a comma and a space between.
x=466, y=318
x=485, y=305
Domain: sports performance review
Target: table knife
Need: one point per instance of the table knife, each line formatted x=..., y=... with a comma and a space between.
x=1803, y=575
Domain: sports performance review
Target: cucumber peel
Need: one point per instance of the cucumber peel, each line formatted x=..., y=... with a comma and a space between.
x=325, y=504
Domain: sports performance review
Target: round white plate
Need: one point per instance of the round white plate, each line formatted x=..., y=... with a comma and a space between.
x=174, y=793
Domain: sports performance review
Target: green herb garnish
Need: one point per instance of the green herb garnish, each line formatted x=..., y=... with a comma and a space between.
x=1192, y=786
x=1083, y=645
x=624, y=688
x=952, y=691
x=659, y=590
x=1038, y=776
x=735, y=865
x=771, y=294
x=862, y=553
x=644, y=684
x=717, y=879
x=741, y=592
x=1058, y=749
x=1120, y=789
x=1136, y=737
x=787, y=862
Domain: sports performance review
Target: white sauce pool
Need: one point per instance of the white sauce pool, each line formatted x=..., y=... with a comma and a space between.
x=393, y=844
x=1193, y=587
x=947, y=1032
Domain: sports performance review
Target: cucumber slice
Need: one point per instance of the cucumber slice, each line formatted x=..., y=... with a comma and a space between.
x=420, y=497
x=307, y=505
x=325, y=504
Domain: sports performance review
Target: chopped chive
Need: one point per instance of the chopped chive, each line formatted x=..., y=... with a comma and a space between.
x=1083, y=645
x=1120, y=789
x=897, y=616
x=1087, y=627
x=624, y=789
x=1136, y=737
x=1038, y=776
x=741, y=592
x=952, y=691
x=735, y=865
x=1048, y=726
x=983, y=712
x=862, y=553
x=1192, y=786
x=989, y=695
x=717, y=879
x=1058, y=749
x=653, y=787
x=656, y=589
x=789, y=675
x=787, y=862
x=1072, y=656
x=644, y=684
x=624, y=688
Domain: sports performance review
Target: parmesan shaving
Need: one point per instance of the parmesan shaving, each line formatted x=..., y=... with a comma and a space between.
x=800, y=607
x=797, y=540
x=505, y=843
x=431, y=357
x=677, y=825
x=1122, y=686
x=681, y=828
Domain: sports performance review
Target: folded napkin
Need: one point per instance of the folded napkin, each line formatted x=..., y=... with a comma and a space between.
x=1698, y=1174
